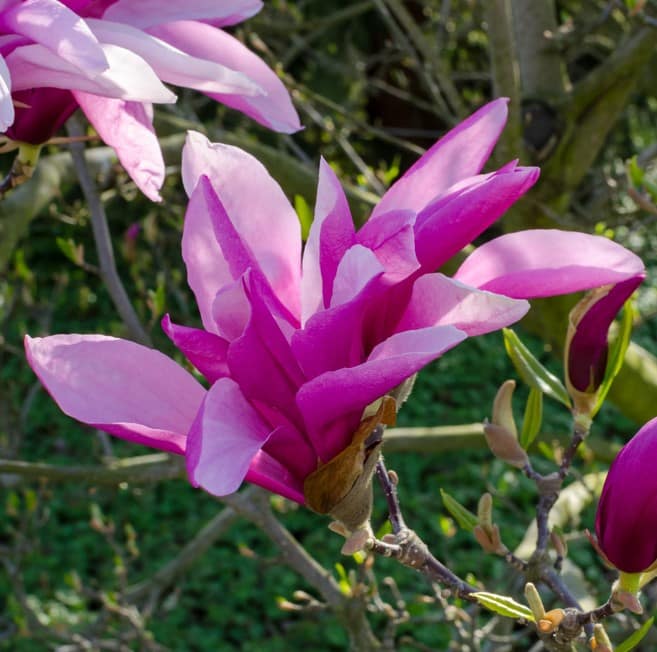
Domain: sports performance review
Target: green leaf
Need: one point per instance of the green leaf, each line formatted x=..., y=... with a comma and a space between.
x=617, y=352
x=634, y=639
x=531, y=370
x=464, y=517
x=531, y=423
x=305, y=215
x=343, y=579
x=635, y=172
x=157, y=298
x=503, y=605
x=74, y=252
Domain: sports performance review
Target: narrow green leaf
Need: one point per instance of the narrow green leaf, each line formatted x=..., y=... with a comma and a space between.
x=635, y=172
x=463, y=516
x=343, y=579
x=73, y=252
x=617, y=352
x=531, y=370
x=531, y=423
x=503, y=605
x=635, y=638
x=305, y=215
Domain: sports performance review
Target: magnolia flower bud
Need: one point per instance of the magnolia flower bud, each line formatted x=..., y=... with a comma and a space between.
x=587, y=347
x=626, y=520
x=501, y=433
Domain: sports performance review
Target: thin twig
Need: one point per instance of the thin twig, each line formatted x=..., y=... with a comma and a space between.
x=406, y=546
x=140, y=469
x=103, y=239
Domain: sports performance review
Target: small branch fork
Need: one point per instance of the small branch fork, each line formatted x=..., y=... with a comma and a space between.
x=407, y=547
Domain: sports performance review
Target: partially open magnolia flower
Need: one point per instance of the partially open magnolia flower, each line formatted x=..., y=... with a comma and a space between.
x=296, y=347
x=587, y=344
x=626, y=519
x=111, y=57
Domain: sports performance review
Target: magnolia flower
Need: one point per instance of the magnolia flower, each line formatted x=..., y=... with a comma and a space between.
x=626, y=520
x=586, y=340
x=297, y=348
x=110, y=57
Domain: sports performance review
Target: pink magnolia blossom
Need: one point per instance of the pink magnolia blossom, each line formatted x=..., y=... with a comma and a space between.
x=626, y=520
x=295, y=345
x=110, y=57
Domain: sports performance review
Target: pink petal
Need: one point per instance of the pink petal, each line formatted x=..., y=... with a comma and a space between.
x=256, y=206
x=171, y=64
x=128, y=77
x=356, y=271
x=6, y=102
x=231, y=310
x=206, y=351
x=207, y=269
x=392, y=239
x=147, y=13
x=461, y=153
x=334, y=338
x=60, y=30
x=336, y=394
x=442, y=230
x=331, y=234
x=542, y=263
x=128, y=128
x=274, y=109
x=438, y=300
x=226, y=435
x=126, y=389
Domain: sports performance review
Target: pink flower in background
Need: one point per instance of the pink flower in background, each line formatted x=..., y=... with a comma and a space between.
x=110, y=57
x=296, y=345
x=626, y=520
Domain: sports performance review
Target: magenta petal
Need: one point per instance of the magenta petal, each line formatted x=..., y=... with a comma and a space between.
x=226, y=435
x=126, y=389
x=206, y=351
x=261, y=360
x=334, y=337
x=343, y=392
x=587, y=350
x=461, y=153
x=542, y=263
x=255, y=205
x=266, y=472
x=626, y=520
x=128, y=128
x=443, y=229
x=273, y=108
x=331, y=234
x=438, y=300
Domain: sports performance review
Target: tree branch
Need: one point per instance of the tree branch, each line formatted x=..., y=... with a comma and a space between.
x=254, y=506
x=103, y=239
x=506, y=75
x=542, y=69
